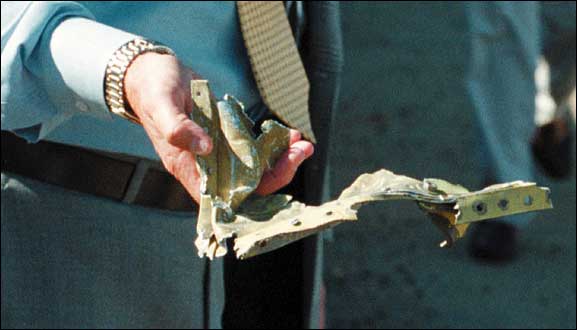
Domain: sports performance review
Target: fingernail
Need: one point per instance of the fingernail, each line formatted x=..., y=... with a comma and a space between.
x=199, y=146
x=296, y=155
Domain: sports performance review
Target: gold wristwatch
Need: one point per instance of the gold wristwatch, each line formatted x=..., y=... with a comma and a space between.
x=116, y=69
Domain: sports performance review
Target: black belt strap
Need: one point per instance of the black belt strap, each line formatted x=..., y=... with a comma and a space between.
x=92, y=172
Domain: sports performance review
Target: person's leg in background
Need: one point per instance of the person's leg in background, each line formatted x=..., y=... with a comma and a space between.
x=504, y=51
x=552, y=143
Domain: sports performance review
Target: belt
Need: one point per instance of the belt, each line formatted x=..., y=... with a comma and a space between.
x=124, y=179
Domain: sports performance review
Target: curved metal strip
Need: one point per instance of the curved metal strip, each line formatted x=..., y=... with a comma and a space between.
x=260, y=224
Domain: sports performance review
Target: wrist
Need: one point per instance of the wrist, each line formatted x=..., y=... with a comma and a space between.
x=114, y=83
x=144, y=73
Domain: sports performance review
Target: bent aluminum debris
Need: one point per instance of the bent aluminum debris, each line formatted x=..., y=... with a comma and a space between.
x=260, y=224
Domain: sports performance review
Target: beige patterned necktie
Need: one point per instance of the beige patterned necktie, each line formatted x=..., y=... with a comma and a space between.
x=276, y=64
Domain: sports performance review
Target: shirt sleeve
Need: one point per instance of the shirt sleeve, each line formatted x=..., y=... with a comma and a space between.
x=54, y=57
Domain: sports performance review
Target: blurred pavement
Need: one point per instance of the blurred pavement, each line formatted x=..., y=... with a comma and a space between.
x=387, y=271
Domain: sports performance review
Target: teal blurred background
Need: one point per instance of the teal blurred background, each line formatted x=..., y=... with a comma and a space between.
x=403, y=88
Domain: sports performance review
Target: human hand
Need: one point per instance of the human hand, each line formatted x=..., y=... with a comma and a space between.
x=157, y=87
x=286, y=167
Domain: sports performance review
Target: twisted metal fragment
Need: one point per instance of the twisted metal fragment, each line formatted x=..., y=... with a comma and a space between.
x=259, y=224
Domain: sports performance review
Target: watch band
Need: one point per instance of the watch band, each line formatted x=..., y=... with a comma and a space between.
x=116, y=69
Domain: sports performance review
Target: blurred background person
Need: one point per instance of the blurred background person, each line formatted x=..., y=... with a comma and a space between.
x=555, y=79
x=446, y=89
x=505, y=98
x=500, y=86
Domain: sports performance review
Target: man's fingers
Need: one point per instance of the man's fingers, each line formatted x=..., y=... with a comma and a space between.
x=191, y=180
x=294, y=136
x=180, y=131
x=305, y=146
x=285, y=168
x=182, y=165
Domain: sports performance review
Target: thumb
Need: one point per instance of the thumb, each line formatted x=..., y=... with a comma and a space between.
x=179, y=130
